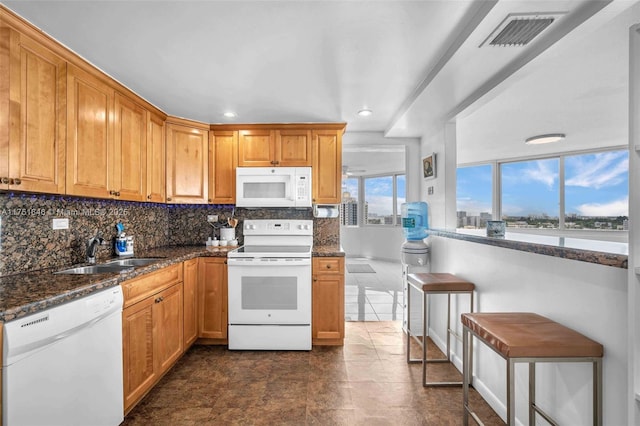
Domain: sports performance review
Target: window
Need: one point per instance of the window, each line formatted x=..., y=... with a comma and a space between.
x=474, y=192
x=379, y=204
x=597, y=191
x=530, y=193
x=588, y=191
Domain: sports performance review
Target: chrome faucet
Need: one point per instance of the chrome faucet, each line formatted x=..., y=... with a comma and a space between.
x=92, y=246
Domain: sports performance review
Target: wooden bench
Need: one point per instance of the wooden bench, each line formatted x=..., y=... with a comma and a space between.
x=530, y=338
x=434, y=283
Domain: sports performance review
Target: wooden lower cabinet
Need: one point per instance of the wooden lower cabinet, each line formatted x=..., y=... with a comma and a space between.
x=152, y=330
x=190, y=286
x=327, y=322
x=212, y=299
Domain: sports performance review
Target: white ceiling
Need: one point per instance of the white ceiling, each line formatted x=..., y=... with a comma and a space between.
x=416, y=64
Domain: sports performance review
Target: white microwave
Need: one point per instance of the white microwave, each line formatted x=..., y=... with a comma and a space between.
x=273, y=187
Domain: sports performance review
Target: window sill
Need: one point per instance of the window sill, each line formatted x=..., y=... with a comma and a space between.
x=606, y=253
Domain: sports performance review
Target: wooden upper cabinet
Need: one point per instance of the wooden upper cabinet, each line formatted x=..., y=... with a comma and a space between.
x=156, y=178
x=293, y=148
x=33, y=127
x=256, y=148
x=223, y=161
x=187, y=164
x=129, y=157
x=269, y=147
x=89, y=134
x=327, y=166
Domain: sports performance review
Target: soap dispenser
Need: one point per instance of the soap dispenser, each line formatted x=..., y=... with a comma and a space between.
x=123, y=244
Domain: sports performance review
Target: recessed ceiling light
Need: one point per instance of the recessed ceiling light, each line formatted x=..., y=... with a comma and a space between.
x=230, y=114
x=365, y=112
x=540, y=139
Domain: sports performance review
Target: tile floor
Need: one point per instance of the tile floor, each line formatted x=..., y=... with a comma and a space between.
x=375, y=296
x=365, y=382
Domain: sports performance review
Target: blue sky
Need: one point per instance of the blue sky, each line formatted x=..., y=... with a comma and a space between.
x=595, y=185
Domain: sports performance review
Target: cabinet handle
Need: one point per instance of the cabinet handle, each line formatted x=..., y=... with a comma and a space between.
x=158, y=300
x=225, y=262
x=112, y=192
x=168, y=198
x=149, y=197
x=315, y=278
x=5, y=180
x=17, y=181
x=328, y=266
x=209, y=200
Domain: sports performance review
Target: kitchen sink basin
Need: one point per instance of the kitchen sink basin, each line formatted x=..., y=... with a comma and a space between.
x=140, y=261
x=97, y=269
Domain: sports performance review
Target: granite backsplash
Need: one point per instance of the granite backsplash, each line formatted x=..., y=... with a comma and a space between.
x=27, y=241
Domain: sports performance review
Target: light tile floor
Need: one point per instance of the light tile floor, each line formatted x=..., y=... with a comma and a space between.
x=374, y=296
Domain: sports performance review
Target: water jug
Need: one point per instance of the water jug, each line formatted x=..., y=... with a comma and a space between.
x=415, y=221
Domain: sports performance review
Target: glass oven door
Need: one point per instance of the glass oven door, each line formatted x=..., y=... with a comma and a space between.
x=269, y=291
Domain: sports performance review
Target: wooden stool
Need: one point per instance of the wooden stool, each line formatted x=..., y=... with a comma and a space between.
x=434, y=283
x=530, y=338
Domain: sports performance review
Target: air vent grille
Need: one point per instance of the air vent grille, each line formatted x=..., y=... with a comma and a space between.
x=35, y=321
x=520, y=29
x=520, y=32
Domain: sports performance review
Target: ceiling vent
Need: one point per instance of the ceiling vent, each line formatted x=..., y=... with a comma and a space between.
x=520, y=29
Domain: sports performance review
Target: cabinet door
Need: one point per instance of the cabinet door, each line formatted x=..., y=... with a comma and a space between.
x=89, y=134
x=256, y=148
x=190, y=284
x=168, y=323
x=293, y=148
x=187, y=164
x=36, y=81
x=327, y=166
x=327, y=323
x=223, y=160
x=212, y=297
x=138, y=351
x=129, y=160
x=156, y=178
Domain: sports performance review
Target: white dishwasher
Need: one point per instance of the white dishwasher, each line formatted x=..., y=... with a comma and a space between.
x=63, y=366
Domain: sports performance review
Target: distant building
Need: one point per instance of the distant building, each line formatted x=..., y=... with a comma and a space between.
x=349, y=212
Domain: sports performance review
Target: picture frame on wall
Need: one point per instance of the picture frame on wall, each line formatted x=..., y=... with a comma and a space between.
x=429, y=166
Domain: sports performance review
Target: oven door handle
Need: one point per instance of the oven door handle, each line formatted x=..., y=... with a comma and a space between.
x=268, y=261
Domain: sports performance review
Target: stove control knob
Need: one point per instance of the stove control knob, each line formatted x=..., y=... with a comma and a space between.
x=251, y=227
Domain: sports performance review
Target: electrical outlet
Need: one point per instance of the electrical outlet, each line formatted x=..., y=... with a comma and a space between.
x=60, y=223
x=430, y=190
x=211, y=218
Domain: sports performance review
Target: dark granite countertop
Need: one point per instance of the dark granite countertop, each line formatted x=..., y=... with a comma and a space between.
x=592, y=251
x=30, y=292
x=328, y=251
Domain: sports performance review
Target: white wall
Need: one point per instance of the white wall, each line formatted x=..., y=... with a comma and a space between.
x=382, y=242
x=590, y=298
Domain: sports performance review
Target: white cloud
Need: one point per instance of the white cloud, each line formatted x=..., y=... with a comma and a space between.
x=614, y=208
x=599, y=170
x=471, y=206
x=540, y=172
x=380, y=205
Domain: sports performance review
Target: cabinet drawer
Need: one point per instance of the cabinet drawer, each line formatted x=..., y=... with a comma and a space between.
x=138, y=288
x=328, y=265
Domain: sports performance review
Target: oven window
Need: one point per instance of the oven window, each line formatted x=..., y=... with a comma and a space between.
x=269, y=293
x=265, y=190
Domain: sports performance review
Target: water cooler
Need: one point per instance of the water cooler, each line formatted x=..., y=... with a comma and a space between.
x=415, y=258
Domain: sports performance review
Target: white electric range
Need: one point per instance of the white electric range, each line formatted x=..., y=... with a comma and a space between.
x=269, y=280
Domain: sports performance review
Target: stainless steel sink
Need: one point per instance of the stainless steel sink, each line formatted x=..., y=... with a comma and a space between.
x=139, y=261
x=97, y=269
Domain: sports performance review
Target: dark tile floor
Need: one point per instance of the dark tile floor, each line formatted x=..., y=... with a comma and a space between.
x=365, y=382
